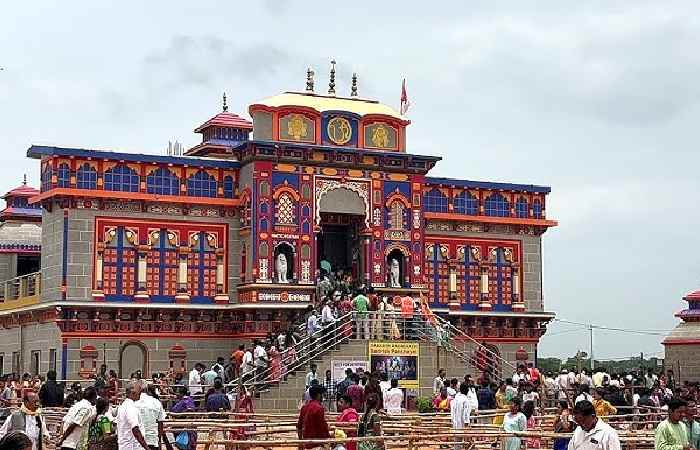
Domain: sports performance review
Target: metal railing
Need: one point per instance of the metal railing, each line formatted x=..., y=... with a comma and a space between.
x=21, y=287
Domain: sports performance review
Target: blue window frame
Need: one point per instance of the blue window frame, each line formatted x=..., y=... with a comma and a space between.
x=263, y=224
x=228, y=186
x=521, y=208
x=46, y=179
x=121, y=178
x=537, y=209
x=63, y=175
x=201, y=184
x=162, y=269
x=263, y=208
x=162, y=181
x=435, y=201
x=86, y=177
x=471, y=273
x=496, y=205
x=466, y=203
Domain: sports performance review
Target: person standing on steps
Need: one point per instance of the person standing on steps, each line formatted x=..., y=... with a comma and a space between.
x=360, y=305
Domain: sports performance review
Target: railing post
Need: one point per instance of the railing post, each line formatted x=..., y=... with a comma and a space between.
x=8, y=285
x=22, y=289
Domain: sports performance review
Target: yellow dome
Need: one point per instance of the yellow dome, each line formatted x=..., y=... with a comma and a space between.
x=323, y=103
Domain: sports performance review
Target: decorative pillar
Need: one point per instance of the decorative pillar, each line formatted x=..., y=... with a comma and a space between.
x=368, y=261
x=453, y=303
x=141, y=295
x=518, y=303
x=178, y=359
x=182, y=295
x=98, y=293
x=221, y=296
x=88, y=362
x=484, y=304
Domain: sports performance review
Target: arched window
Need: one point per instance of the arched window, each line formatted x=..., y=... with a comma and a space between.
x=263, y=224
x=305, y=191
x=86, y=177
x=263, y=250
x=496, y=205
x=286, y=210
x=521, y=208
x=466, y=203
x=46, y=178
x=121, y=178
x=305, y=228
x=437, y=273
x=162, y=181
x=201, y=184
x=396, y=216
x=119, y=266
x=228, y=186
x=264, y=188
x=435, y=201
x=263, y=208
x=63, y=176
x=305, y=211
x=537, y=209
x=305, y=251
x=500, y=281
x=162, y=265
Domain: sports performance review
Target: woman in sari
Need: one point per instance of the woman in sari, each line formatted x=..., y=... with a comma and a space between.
x=243, y=406
x=501, y=403
x=514, y=420
x=370, y=425
x=529, y=411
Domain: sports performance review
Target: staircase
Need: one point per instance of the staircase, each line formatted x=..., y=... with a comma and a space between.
x=444, y=334
x=337, y=340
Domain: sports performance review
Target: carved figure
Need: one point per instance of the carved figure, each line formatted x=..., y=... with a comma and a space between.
x=394, y=274
x=281, y=268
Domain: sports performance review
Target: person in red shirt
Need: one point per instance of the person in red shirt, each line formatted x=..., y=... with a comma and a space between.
x=407, y=309
x=348, y=415
x=312, y=418
x=356, y=393
x=237, y=357
x=534, y=373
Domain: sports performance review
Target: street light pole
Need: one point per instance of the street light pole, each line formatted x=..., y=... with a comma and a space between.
x=590, y=329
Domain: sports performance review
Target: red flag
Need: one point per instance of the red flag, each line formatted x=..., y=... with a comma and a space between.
x=405, y=103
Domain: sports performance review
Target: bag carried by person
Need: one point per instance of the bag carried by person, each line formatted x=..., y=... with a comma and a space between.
x=182, y=441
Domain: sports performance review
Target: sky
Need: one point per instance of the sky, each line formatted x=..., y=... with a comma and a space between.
x=599, y=100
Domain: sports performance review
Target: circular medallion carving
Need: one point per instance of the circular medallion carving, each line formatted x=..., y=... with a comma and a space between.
x=339, y=130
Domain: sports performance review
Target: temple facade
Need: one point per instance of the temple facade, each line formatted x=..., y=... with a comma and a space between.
x=682, y=345
x=150, y=262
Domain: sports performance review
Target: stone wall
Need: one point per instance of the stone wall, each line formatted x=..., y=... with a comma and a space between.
x=8, y=266
x=198, y=350
x=41, y=337
x=684, y=361
x=51, y=254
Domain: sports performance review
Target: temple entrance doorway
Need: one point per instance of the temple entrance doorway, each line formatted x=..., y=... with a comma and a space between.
x=340, y=245
x=342, y=218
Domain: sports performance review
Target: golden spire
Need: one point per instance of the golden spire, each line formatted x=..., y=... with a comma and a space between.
x=353, y=89
x=331, y=83
x=24, y=181
x=309, y=80
x=225, y=106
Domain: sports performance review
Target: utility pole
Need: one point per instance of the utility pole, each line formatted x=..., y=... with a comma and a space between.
x=590, y=329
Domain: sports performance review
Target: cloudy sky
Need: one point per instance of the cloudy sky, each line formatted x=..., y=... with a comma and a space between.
x=599, y=101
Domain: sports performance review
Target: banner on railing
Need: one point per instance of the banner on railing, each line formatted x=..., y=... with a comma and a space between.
x=397, y=360
x=338, y=367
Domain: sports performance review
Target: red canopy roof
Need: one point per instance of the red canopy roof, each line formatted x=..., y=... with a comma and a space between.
x=22, y=191
x=225, y=119
x=692, y=296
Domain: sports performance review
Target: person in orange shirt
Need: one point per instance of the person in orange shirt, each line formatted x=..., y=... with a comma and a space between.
x=603, y=408
x=237, y=358
x=407, y=310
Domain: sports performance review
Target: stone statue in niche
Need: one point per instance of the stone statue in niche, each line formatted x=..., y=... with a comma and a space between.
x=394, y=273
x=281, y=268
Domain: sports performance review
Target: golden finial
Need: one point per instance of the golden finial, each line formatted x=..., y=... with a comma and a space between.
x=24, y=180
x=225, y=106
x=331, y=84
x=353, y=89
x=309, y=80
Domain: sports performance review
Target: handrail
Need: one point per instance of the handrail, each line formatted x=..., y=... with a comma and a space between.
x=473, y=341
x=20, y=287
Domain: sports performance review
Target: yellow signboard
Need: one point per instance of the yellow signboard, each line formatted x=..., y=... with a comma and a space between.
x=398, y=360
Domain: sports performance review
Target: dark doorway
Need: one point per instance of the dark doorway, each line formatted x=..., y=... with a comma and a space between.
x=28, y=264
x=339, y=243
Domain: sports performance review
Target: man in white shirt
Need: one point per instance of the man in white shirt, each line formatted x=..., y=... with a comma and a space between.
x=260, y=356
x=311, y=376
x=460, y=410
x=311, y=323
x=327, y=321
x=393, y=398
x=27, y=420
x=584, y=395
x=129, y=425
x=592, y=433
x=152, y=414
x=551, y=389
x=77, y=420
x=471, y=396
x=563, y=384
x=439, y=382
x=247, y=366
x=195, y=379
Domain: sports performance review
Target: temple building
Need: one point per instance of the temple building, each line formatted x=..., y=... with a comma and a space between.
x=155, y=261
x=682, y=345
